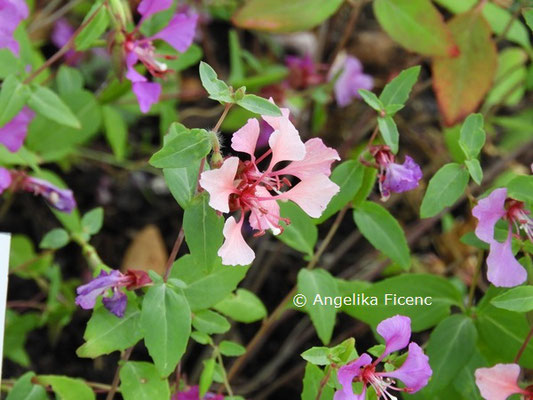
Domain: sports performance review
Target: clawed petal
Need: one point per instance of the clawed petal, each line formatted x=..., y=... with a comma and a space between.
x=502, y=267
x=488, y=211
x=60, y=199
x=117, y=303
x=245, y=139
x=498, y=382
x=5, y=179
x=219, y=184
x=147, y=8
x=147, y=94
x=346, y=375
x=267, y=216
x=88, y=293
x=318, y=159
x=401, y=177
x=131, y=73
x=312, y=194
x=415, y=371
x=12, y=12
x=179, y=32
x=350, y=81
x=396, y=331
x=235, y=250
x=13, y=133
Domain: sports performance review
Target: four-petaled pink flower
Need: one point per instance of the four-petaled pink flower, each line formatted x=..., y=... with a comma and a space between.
x=114, y=281
x=502, y=267
x=500, y=382
x=13, y=133
x=12, y=12
x=350, y=80
x=414, y=372
x=242, y=186
x=179, y=33
x=395, y=178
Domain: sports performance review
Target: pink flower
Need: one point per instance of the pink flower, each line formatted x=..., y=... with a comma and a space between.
x=194, y=394
x=13, y=133
x=244, y=186
x=303, y=72
x=414, y=372
x=350, y=80
x=5, y=179
x=179, y=33
x=12, y=12
x=500, y=382
x=502, y=267
x=396, y=178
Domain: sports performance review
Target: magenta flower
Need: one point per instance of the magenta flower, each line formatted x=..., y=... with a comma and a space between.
x=113, y=281
x=414, y=372
x=502, y=267
x=350, y=80
x=12, y=12
x=60, y=199
x=396, y=178
x=303, y=72
x=13, y=133
x=179, y=33
x=5, y=179
x=194, y=394
x=242, y=186
x=500, y=382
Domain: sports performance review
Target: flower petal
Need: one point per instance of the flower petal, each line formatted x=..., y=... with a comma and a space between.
x=498, y=382
x=396, y=331
x=147, y=94
x=346, y=375
x=219, y=184
x=402, y=177
x=318, y=159
x=12, y=12
x=502, y=268
x=488, y=211
x=245, y=139
x=13, y=133
x=350, y=80
x=147, y=8
x=5, y=179
x=312, y=194
x=60, y=199
x=267, y=216
x=415, y=371
x=179, y=32
x=117, y=303
x=235, y=251
x=88, y=293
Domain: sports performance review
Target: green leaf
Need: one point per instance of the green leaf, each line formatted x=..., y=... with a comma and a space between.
x=182, y=182
x=528, y=16
x=301, y=234
x=231, y=349
x=284, y=16
x=235, y=53
x=436, y=289
x=313, y=382
x=16, y=330
x=416, y=24
x=116, y=131
x=94, y=29
x=67, y=388
x=46, y=102
x=472, y=137
x=317, y=355
x=13, y=97
x=185, y=147
x=397, y=90
x=68, y=80
x=446, y=186
x=190, y=58
x=369, y=179
x=55, y=239
x=210, y=322
x=521, y=188
x=381, y=229
x=166, y=323
x=519, y=299
x=243, y=306
x=349, y=177
x=217, y=89
x=141, y=381
x=475, y=170
x=200, y=337
x=92, y=221
x=465, y=381
x=461, y=82
x=206, y=378
x=509, y=83
x=371, y=99
x=389, y=132
x=259, y=105
x=106, y=332
x=203, y=231
x=317, y=284
x=449, y=348
x=25, y=389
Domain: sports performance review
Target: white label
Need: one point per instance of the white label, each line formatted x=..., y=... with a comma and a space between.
x=5, y=239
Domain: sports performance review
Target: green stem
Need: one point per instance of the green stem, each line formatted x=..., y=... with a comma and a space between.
x=224, y=375
x=90, y=254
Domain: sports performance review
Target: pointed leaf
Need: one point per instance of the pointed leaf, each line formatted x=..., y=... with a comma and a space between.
x=141, y=381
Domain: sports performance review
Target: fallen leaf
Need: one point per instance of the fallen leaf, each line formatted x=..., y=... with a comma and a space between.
x=146, y=252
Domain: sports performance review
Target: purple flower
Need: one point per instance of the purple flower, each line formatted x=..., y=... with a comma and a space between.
x=302, y=72
x=414, y=372
x=61, y=34
x=13, y=133
x=502, y=267
x=114, y=280
x=12, y=12
x=60, y=199
x=5, y=179
x=194, y=394
x=179, y=33
x=350, y=80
